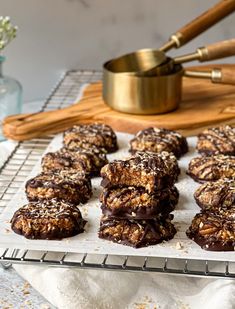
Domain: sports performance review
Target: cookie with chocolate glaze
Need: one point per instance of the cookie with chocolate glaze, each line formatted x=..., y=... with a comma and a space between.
x=139, y=233
x=219, y=140
x=214, y=231
x=153, y=171
x=48, y=220
x=158, y=140
x=137, y=203
x=98, y=134
x=70, y=186
x=88, y=161
x=211, y=168
x=216, y=195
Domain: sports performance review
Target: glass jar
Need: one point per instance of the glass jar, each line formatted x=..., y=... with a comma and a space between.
x=10, y=96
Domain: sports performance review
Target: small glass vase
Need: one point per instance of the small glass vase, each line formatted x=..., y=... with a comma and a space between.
x=10, y=97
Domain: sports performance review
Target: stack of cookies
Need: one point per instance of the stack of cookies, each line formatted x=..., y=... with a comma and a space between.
x=138, y=196
x=214, y=227
x=64, y=183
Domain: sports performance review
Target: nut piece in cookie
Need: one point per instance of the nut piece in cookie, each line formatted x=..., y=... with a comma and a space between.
x=153, y=171
x=158, y=140
x=139, y=233
x=48, y=220
x=137, y=203
x=214, y=231
x=216, y=195
x=211, y=168
x=219, y=140
x=100, y=135
x=88, y=161
x=75, y=145
x=66, y=185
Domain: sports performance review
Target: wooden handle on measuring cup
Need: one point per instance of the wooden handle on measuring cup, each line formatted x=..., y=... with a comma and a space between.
x=204, y=22
x=217, y=50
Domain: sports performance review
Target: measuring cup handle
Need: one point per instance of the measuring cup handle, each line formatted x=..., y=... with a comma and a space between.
x=203, y=22
x=222, y=75
x=217, y=50
x=227, y=76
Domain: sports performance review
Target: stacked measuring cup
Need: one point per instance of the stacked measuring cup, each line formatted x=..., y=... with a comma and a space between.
x=149, y=82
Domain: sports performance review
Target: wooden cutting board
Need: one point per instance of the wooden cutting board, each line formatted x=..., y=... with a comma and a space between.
x=204, y=104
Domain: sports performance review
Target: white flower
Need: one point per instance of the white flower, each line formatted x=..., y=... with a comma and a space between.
x=7, y=31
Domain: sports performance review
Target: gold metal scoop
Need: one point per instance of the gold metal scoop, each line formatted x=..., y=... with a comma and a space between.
x=143, y=94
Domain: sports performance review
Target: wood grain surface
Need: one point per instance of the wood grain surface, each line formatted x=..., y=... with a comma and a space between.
x=204, y=104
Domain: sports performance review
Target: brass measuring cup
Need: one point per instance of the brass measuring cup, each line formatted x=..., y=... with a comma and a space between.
x=144, y=60
x=143, y=94
x=146, y=95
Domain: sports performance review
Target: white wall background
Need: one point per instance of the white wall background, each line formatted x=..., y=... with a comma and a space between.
x=57, y=35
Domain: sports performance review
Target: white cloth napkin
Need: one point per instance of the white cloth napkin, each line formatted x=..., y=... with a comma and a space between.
x=70, y=288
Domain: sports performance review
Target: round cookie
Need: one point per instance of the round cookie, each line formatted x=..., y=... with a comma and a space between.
x=137, y=234
x=66, y=185
x=137, y=203
x=216, y=195
x=211, y=168
x=89, y=161
x=214, y=231
x=219, y=140
x=97, y=134
x=153, y=171
x=158, y=140
x=48, y=220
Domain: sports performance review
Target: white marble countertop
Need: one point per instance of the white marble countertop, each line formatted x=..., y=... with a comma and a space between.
x=15, y=292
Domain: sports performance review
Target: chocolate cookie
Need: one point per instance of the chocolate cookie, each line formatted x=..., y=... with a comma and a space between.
x=137, y=234
x=66, y=185
x=219, y=140
x=211, y=168
x=216, y=195
x=48, y=220
x=137, y=203
x=97, y=134
x=158, y=140
x=153, y=171
x=82, y=160
x=214, y=231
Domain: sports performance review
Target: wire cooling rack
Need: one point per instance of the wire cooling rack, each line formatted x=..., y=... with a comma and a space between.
x=20, y=163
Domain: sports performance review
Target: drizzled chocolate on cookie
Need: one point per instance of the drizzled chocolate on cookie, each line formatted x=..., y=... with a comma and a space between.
x=137, y=203
x=153, y=171
x=219, y=140
x=66, y=185
x=216, y=195
x=211, y=168
x=214, y=231
x=137, y=234
x=88, y=161
x=100, y=135
x=158, y=140
x=48, y=220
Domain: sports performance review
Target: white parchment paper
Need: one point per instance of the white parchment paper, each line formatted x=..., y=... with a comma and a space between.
x=88, y=242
